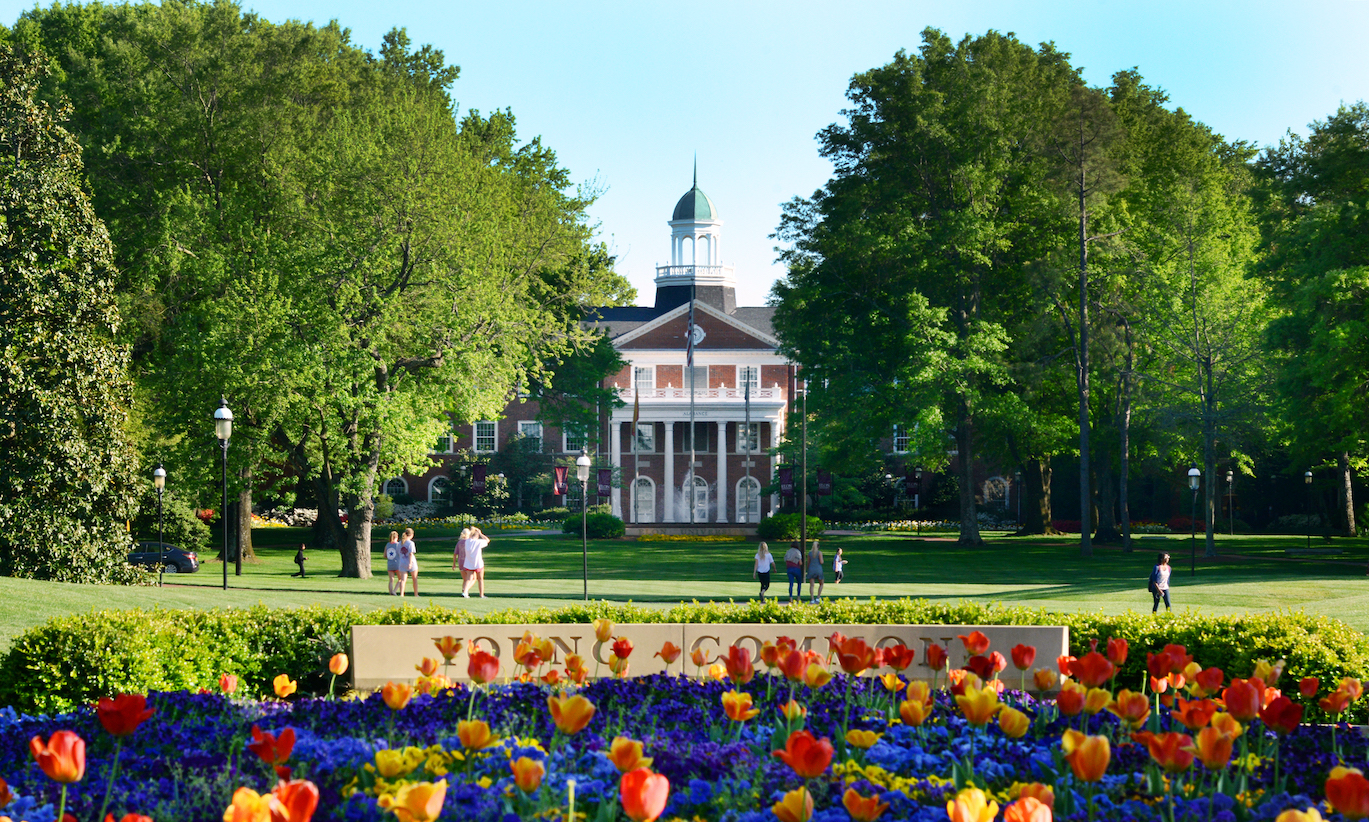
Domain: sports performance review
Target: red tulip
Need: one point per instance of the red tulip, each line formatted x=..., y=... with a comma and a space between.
x=1242, y=698
x=976, y=643
x=1282, y=714
x=794, y=665
x=980, y=666
x=898, y=657
x=809, y=757
x=1063, y=663
x=1170, y=751
x=644, y=794
x=1208, y=681
x=1179, y=657
x=998, y=662
x=834, y=642
x=1348, y=792
x=1159, y=665
x=62, y=757
x=1117, y=651
x=855, y=656
x=739, y=665
x=622, y=647
x=296, y=801
x=1023, y=656
x=1093, y=670
x=936, y=657
x=123, y=714
x=1308, y=686
x=483, y=667
x=1070, y=700
x=273, y=750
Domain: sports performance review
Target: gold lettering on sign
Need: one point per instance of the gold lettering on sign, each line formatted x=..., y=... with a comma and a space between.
x=558, y=643
x=494, y=644
x=884, y=642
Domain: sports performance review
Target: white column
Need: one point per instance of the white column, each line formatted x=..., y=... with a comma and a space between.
x=668, y=482
x=615, y=457
x=774, y=462
x=722, y=472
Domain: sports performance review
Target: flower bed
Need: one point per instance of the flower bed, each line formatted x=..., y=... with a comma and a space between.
x=792, y=742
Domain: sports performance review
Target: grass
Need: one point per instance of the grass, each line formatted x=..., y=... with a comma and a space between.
x=529, y=570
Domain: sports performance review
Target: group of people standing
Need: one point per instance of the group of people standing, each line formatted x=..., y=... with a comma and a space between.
x=794, y=562
x=469, y=558
x=401, y=560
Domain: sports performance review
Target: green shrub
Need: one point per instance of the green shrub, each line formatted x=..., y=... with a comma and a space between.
x=597, y=525
x=785, y=528
x=385, y=506
x=74, y=660
x=551, y=513
x=180, y=526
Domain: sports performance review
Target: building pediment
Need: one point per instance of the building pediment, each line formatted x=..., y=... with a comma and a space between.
x=716, y=331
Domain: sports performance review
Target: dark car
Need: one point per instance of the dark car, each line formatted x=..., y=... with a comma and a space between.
x=173, y=560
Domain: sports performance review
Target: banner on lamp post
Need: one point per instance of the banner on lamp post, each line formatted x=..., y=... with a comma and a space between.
x=478, y=478
x=787, y=481
x=824, y=483
x=561, y=488
x=605, y=482
x=910, y=483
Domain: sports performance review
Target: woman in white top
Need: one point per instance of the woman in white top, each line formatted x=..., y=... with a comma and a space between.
x=459, y=555
x=475, y=562
x=1159, y=581
x=764, y=562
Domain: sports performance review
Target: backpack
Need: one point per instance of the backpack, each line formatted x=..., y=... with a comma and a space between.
x=1153, y=586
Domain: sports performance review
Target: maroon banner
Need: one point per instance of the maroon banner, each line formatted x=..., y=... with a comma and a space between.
x=910, y=483
x=560, y=488
x=787, y=482
x=605, y=482
x=478, y=478
x=824, y=483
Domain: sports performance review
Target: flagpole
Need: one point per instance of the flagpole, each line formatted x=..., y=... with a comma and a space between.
x=747, y=516
x=636, y=452
x=689, y=366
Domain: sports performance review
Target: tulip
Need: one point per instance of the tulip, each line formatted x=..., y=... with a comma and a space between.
x=1131, y=708
x=980, y=666
x=1158, y=665
x=1044, y=794
x=864, y=740
x=483, y=667
x=391, y=763
x=248, y=806
x=626, y=755
x=816, y=676
x=1013, y=722
x=936, y=657
x=920, y=691
x=1194, y=714
x=1282, y=715
x=228, y=683
x=807, y=756
x=855, y=656
x=1044, y=679
x=448, y=646
x=62, y=757
x=1063, y=663
x=1027, y=810
x=474, y=734
x=1172, y=751
x=1095, y=700
x=337, y=664
x=979, y=705
x=1117, y=651
x=5, y=796
x=1207, y=682
x=1092, y=670
x=1348, y=792
x=1268, y=672
x=1227, y=723
x=739, y=665
x=292, y=801
x=1179, y=657
x=1292, y=815
x=419, y=802
x=717, y=671
x=796, y=806
x=792, y=711
x=621, y=647
x=863, y=808
x=427, y=667
x=892, y=682
x=123, y=714
x=914, y=712
x=669, y=652
x=997, y=662
x=396, y=694
x=1023, y=656
x=109, y=817
x=527, y=773
x=1213, y=747
x=284, y=685
x=551, y=677
x=770, y=654
x=1351, y=686
x=833, y=643
x=898, y=657
x=271, y=749
x=571, y=714
x=1088, y=755
x=737, y=706
x=1070, y=700
x=1242, y=698
x=971, y=805
x=700, y=658
x=644, y=794
x=1308, y=687
x=603, y=629
x=1334, y=702
x=975, y=644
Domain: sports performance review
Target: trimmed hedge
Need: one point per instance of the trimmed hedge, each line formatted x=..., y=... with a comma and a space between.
x=785, y=528
x=74, y=660
x=596, y=525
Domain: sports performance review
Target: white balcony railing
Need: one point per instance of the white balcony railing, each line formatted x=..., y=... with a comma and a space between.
x=682, y=394
x=701, y=274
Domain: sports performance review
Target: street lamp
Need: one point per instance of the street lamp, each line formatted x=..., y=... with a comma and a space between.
x=223, y=429
x=1230, y=500
x=1307, y=480
x=582, y=474
x=1017, y=492
x=1194, y=475
x=917, y=497
x=159, y=482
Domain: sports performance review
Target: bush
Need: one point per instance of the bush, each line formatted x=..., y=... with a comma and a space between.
x=785, y=528
x=385, y=507
x=74, y=660
x=551, y=513
x=180, y=525
x=597, y=526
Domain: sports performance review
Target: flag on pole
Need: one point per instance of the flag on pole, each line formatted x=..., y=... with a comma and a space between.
x=636, y=414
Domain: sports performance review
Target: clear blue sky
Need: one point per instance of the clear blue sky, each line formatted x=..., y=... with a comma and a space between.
x=627, y=92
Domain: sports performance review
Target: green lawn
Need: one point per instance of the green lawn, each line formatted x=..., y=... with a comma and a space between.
x=525, y=570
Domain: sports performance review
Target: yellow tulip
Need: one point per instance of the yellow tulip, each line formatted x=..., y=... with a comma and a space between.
x=919, y=691
x=979, y=705
x=737, y=706
x=1292, y=815
x=284, y=685
x=816, y=676
x=1013, y=722
x=603, y=629
x=248, y=806
x=1096, y=700
x=971, y=805
x=862, y=739
x=475, y=735
x=796, y=806
x=419, y=802
x=891, y=681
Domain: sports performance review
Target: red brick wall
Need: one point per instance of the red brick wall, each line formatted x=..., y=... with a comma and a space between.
x=670, y=375
x=722, y=376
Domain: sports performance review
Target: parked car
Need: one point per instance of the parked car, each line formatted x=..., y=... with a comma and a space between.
x=172, y=558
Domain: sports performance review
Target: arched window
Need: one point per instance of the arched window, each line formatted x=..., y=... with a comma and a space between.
x=396, y=487
x=996, y=493
x=644, y=500
x=700, y=495
x=687, y=251
x=440, y=490
x=706, y=250
x=748, y=500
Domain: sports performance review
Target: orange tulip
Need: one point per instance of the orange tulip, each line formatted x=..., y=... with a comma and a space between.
x=1308, y=686
x=1193, y=714
x=123, y=714
x=739, y=665
x=1351, y=686
x=971, y=805
x=603, y=629
x=1044, y=679
x=1070, y=700
x=428, y=666
x=448, y=646
x=474, y=734
x=284, y=685
x=1172, y=751
x=248, y=806
x=483, y=667
x=5, y=795
x=770, y=654
x=1096, y=700
x=1348, y=792
x=644, y=794
x=717, y=672
x=913, y=712
x=796, y=806
x=1044, y=794
x=816, y=676
x=431, y=684
x=936, y=657
x=626, y=755
x=700, y=658
x=899, y=656
x=551, y=677
x=292, y=801
x=397, y=694
x=62, y=757
x=1292, y=815
x=527, y=773
x=1242, y=698
x=975, y=644
x=1028, y=809
x=337, y=664
x=855, y=656
x=807, y=756
x=1213, y=747
x=1131, y=708
x=1013, y=722
x=1088, y=755
x=919, y=691
x=1334, y=702
x=228, y=683
x=793, y=711
x=669, y=652
x=571, y=713
x=419, y=802
x=1092, y=670
x=863, y=808
x=737, y=706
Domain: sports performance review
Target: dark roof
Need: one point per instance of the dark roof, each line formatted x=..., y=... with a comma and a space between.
x=621, y=320
x=758, y=317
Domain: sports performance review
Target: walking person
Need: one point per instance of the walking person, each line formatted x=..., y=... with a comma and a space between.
x=459, y=555
x=413, y=560
x=815, y=572
x=299, y=560
x=475, y=562
x=838, y=565
x=764, y=562
x=793, y=567
x=1159, y=582
x=392, y=560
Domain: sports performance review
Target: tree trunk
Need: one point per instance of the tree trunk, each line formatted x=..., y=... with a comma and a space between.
x=1036, y=490
x=969, y=519
x=1347, y=493
x=1124, y=444
x=244, y=506
x=1209, y=465
x=358, y=546
x=1106, y=532
x=328, y=531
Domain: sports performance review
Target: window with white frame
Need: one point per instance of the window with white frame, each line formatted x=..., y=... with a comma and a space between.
x=532, y=430
x=748, y=500
x=396, y=487
x=575, y=439
x=748, y=375
x=440, y=490
x=645, y=442
x=644, y=377
x=486, y=433
x=445, y=443
x=696, y=378
x=748, y=438
x=901, y=439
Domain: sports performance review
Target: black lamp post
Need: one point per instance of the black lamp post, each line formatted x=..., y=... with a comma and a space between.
x=917, y=497
x=1194, y=475
x=1017, y=492
x=159, y=482
x=1307, y=480
x=1231, y=500
x=223, y=429
x=582, y=474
